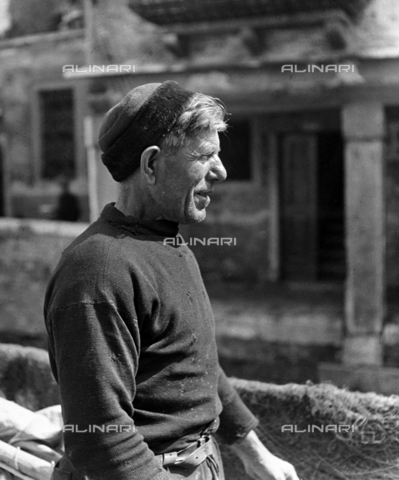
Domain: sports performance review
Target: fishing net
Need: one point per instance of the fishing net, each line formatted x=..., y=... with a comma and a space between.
x=327, y=433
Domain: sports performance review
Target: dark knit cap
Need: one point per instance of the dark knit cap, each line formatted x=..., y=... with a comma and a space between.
x=141, y=119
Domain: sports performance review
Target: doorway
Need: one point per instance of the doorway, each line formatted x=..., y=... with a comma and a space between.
x=312, y=222
x=2, y=186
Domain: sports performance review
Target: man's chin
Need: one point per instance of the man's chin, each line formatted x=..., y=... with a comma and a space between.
x=194, y=217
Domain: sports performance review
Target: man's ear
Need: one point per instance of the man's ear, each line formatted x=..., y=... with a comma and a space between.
x=148, y=163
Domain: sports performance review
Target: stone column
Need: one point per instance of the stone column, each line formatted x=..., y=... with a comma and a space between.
x=363, y=129
x=102, y=188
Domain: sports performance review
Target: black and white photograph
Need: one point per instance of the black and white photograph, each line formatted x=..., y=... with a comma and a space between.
x=199, y=239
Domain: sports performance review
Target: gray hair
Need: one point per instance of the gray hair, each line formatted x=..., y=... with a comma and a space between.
x=202, y=113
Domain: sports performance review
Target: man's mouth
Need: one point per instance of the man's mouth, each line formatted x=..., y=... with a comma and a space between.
x=203, y=195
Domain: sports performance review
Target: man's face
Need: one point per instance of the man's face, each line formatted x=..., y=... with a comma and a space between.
x=186, y=179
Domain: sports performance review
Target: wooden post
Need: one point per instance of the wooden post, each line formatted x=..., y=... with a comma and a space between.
x=274, y=206
x=89, y=30
x=102, y=188
x=91, y=168
x=363, y=128
x=5, y=188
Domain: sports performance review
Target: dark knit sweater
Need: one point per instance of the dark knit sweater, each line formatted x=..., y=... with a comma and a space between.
x=132, y=345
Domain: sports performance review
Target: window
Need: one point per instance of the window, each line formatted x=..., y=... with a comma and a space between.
x=235, y=152
x=57, y=134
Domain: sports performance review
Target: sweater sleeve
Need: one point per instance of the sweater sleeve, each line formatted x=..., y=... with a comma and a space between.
x=236, y=420
x=94, y=359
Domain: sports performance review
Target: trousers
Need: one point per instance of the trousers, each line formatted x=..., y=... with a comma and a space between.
x=210, y=469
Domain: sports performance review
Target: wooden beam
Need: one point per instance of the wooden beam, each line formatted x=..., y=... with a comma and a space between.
x=42, y=38
x=268, y=21
x=24, y=464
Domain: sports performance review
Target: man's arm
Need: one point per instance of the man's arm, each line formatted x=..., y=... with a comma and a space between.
x=260, y=463
x=237, y=425
x=236, y=420
x=95, y=358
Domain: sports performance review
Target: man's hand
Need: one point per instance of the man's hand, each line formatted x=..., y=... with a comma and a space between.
x=259, y=463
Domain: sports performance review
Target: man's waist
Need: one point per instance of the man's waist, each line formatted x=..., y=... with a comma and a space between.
x=174, y=433
x=195, y=453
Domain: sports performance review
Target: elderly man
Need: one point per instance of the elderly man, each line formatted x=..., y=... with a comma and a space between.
x=131, y=331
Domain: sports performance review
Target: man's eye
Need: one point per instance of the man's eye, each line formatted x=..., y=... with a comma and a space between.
x=205, y=157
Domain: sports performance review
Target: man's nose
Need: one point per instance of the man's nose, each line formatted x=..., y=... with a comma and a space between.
x=217, y=170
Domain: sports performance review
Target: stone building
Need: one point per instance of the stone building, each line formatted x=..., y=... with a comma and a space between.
x=312, y=152
x=41, y=113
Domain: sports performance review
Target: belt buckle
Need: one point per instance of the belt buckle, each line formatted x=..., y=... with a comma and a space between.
x=203, y=439
x=181, y=455
x=178, y=458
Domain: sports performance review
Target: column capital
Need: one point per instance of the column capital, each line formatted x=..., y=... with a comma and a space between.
x=363, y=121
x=363, y=350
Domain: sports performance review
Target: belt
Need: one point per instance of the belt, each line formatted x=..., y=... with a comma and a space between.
x=191, y=456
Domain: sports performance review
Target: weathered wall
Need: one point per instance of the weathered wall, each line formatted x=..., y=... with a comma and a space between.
x=267, y=332
x=281, y=341
x=24, y=67
x=36, y=16
x=26, y=262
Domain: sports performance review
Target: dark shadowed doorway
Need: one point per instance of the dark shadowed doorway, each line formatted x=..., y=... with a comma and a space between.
x=312, y=206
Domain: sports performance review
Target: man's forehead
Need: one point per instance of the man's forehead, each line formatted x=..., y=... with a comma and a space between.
x=207, y=142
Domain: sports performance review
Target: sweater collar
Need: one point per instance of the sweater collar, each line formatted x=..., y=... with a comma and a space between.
x=147, y=227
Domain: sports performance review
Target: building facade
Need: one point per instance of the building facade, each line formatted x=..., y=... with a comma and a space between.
x=312, y=150
x=311, y=153
x=42, y=113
